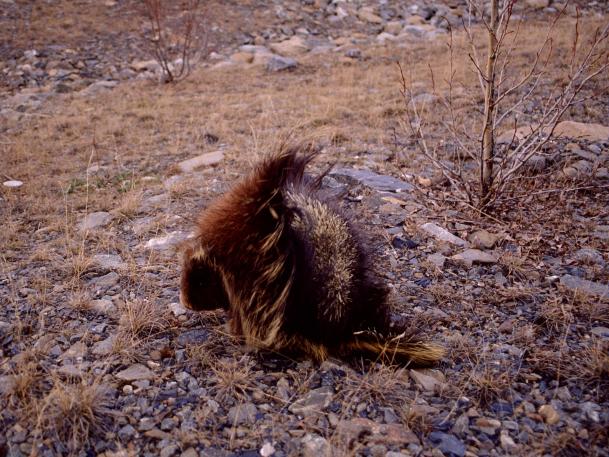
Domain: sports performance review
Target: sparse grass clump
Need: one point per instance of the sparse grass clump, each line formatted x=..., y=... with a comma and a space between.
x=73, y=413
x=142, y=318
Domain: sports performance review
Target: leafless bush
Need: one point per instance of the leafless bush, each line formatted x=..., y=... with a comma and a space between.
x=505, y=91
x=174, y=52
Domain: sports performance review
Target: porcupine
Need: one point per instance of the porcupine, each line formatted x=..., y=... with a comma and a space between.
x=292, y=270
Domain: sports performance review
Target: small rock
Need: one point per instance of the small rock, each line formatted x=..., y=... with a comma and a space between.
x=107, y=262
x=482, y=239
x=146, y=423
x=549, y=414
x=585, y=286
x=242, y=57
x=146, y=65
x=95, y=220
x=580, y=130
x=373, y=180
x=267, y=450
x=393, y=27
x=353, y=53
x=367, y=14
x=192, y=452
x=169, y=450
x=168, y=424
x=291, y=47
x=314, y=445
x=106, y=281
x=586, y=155
x=590, y=410
x=99, y=86
x=403, y=243
x=578, y=169
x=77, y=350
x=603, y=332
x=12, y=183
x=242, y=414
x=313, y=402
x=279, y=63
x=471, y=256
x=135, y=372
x=352, y=431
x=177, y=309
x=127, y=432
x=442, y=234
x=450, y=445
x=507, y=326
x=427, y=379
x=589, y=256
x=103, y=306
x=204, y=160
x=538, y=4
x=437, y=259
x=196, y=336
x=167, y=242
x=72, y=371
x=507, y=443
x=7, y=384
x=488, y=426
x=104, y=347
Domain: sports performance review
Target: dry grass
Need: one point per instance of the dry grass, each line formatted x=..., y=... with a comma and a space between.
x=71, y=413
x=80, y=299
x=130, y=204
x=142, y=319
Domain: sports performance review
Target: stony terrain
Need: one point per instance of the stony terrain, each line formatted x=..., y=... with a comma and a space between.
x=104, y=170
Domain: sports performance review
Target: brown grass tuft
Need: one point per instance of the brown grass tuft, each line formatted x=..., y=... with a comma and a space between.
x=73, y=413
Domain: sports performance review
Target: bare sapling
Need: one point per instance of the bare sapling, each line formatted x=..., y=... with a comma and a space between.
x=506, y=92
x=174, y=52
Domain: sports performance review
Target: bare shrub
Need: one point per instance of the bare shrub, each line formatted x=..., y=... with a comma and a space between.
x=174, y=51
x=72, y=413
x=505, y=92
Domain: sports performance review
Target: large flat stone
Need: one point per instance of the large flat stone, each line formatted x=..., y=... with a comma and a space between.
x=373, y=180
x=585, y=286
x=204, y=160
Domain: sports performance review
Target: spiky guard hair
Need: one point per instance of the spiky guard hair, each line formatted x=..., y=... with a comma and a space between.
x=291, y=269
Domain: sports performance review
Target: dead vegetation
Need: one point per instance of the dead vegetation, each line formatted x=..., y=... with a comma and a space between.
x=352, y=111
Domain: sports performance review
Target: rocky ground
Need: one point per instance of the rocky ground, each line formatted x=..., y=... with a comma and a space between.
x=104, y=170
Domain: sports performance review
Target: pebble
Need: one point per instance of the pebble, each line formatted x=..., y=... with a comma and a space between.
x=314, y=445
x=450, y=445
x=95, y=220
x=103, y=306
x=589, y=256
x=471, y=256
x=426, y=380
x=203, y=160
x=135, y=372
x=549, y=414
x=242, y=414
x=127, y=432
x=585, y=286
x=602, y=332
x=167, y=242
x=442, y=234
x=373, y=180
x=488, y=426
x=13, y=183
x=482, y=239
x=191, y=337
x=507, y=443
x=312, y=403
x=107, y=262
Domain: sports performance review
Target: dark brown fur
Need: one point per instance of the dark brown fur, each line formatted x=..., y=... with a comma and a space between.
x=291, y=270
